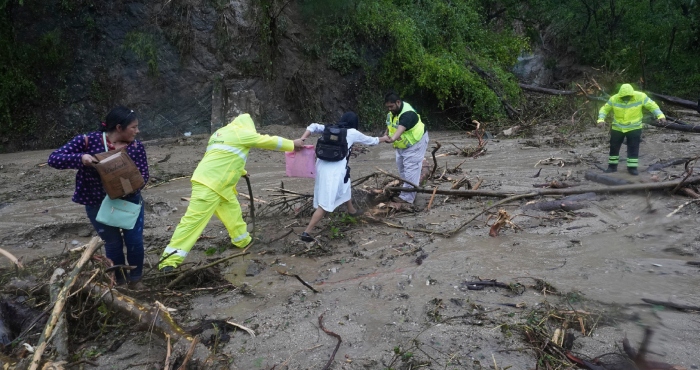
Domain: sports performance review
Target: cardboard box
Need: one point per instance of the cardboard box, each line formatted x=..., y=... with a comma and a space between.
x=119, y=173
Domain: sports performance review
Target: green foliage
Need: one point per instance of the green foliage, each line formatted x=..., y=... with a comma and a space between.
x=441, y=50
x=143, y=45
x=656, y=42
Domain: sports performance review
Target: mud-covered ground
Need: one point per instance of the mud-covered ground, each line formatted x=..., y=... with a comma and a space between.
x=398, y=298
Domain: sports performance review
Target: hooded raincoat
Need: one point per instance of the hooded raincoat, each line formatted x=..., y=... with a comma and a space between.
x=627, y=116
x=214, y=187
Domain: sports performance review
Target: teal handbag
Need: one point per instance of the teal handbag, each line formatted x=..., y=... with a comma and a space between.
x=118, y=213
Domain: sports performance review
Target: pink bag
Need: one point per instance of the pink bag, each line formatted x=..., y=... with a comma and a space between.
x=301, y=163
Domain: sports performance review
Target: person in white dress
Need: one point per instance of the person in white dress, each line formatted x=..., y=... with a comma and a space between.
x=332, y=188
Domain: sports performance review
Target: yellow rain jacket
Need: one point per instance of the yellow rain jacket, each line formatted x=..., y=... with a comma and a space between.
x=408, y=137
x=224, y=161
x=628, y=116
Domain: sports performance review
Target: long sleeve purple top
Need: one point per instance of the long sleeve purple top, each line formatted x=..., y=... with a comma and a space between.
x=88, y=186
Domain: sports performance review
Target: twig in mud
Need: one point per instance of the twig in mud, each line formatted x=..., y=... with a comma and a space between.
x=435, y=149
x=300, y=280
x=681, y=207
x=432, y=197
x=688, y=173
x=509, y=199
x=387, y=223
x=191, y=271
x=12, y=258
x=247, y=330
x=330, y=360
x=252, y=203
x=281, y=237
x=165, y=182
x=168, y=350
x=188, y=355
x=397, y=178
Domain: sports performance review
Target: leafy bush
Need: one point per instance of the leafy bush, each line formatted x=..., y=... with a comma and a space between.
x=441, y=50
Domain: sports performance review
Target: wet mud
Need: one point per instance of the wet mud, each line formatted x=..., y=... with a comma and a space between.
x=383, y=288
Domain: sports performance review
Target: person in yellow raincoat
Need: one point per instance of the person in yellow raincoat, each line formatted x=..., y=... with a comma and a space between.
x=627, y=106
x=214, y=187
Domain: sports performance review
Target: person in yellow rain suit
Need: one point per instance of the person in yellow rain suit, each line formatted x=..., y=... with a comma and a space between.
x=627, y=123
x=214, y=187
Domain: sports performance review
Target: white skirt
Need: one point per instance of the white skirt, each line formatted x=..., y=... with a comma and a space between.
x=329, y=190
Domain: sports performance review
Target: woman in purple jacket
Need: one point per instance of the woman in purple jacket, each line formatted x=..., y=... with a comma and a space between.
x=118, y=131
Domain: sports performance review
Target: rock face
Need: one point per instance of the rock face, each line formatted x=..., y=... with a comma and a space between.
x=182, y=65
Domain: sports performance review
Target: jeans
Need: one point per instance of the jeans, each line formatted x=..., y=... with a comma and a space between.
x=115, y=239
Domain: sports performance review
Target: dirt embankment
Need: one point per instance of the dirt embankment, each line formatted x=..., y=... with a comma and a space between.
x=398, y=298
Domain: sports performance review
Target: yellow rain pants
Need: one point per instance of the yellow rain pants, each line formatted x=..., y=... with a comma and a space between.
x=203, y=204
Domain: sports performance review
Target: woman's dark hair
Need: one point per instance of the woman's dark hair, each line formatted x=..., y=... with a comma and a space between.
x=118, y=116
x=349, y=120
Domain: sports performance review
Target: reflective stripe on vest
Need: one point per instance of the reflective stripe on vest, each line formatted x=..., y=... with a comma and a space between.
x=233, y=150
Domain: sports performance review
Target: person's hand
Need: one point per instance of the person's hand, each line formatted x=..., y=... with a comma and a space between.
x=662, y=121
x=298, y=144
x=384, y=139
x=389, y=139
x=88, y=160
x=600, y=124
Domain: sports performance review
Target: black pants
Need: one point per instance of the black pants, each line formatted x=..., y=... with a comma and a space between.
x=634, y=137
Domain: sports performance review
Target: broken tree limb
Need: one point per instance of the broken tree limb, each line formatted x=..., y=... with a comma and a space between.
x=676, y=126
x=543, y=90
x=148, y=317
x=61, y=302
x=568, y=191
x=605, y=179
x=674, y=100
x=60, y=336
x=661, y=165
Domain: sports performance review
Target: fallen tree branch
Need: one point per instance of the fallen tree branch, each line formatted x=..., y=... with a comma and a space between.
x=543, y=90
x=674, y=100
x=61, y=302
x=568, y=191
x=252, y=204
x=676, y=126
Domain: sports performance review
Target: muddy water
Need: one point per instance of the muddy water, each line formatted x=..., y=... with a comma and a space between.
x=373, y=293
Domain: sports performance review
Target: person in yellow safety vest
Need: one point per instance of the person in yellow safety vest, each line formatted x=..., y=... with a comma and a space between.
x=627, y=107
x=407, y=134
x=214, y=187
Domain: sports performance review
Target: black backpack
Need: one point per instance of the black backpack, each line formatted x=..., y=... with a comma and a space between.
x=332, y=146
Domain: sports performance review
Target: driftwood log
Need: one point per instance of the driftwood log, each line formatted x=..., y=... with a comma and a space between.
x=605, y=179
x=569, y=191
x=676, y=101
x=569, y=203
x=676, y=126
